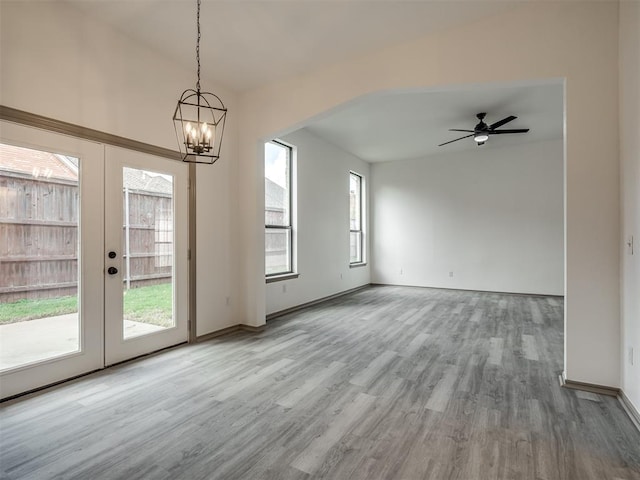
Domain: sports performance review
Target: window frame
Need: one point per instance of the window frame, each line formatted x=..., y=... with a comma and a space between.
x=361, y=261
x=291, y=273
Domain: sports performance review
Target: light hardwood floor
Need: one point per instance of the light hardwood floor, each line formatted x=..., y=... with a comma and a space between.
x=385, y=383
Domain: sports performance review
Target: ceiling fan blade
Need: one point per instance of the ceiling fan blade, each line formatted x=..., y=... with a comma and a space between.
x=499, y=123
x=517, y=130
x=451, y=141
x=456, y=130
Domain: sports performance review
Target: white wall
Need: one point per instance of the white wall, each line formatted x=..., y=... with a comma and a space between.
x=576, y=41
x=630, y=163
x=59, y=63
x=493, y=217
x=322, y=224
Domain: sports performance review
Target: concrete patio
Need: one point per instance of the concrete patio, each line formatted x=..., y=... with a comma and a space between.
x=34, y=340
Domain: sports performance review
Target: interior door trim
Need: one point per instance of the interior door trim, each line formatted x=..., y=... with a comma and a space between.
x=58, y=126
x=191, y=258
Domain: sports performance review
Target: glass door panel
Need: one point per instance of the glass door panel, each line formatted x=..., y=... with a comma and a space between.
x=148, y=252
x=39, y=213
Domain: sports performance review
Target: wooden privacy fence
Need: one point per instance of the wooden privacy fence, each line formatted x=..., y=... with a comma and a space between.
x=39, y=237
x=148, y=237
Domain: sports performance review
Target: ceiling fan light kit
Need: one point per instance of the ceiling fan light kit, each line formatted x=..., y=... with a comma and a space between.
x=482, y=131
x=481, y=138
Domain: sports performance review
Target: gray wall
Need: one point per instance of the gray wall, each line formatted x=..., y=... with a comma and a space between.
x=322, y=211
x=486, y=219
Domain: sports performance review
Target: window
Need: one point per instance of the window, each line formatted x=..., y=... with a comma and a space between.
x=355, y=219
x=277, y=209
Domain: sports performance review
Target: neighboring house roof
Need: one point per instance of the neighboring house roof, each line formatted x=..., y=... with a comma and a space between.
x=140, y=180
x=46, y=165
x=274, y=195
x=36, y=162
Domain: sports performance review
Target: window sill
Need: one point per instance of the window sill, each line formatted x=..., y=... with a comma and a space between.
x=280, y=278
x=359, y=264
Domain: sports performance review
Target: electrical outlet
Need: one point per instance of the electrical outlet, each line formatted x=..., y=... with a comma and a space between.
x=630, y=245
x=284, y=288
x=631, y=355
x=451, y=274
x=340, y=276
x=228, y=301
x=401, y=271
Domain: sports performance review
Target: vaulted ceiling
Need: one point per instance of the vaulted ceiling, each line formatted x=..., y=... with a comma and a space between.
x=250, y=43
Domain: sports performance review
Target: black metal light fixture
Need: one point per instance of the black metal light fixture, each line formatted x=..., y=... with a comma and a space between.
x=199, y=120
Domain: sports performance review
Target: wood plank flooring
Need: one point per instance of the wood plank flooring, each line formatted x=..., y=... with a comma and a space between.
x=385, y=383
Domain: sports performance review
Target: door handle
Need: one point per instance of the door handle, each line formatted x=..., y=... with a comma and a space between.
x=112, y=270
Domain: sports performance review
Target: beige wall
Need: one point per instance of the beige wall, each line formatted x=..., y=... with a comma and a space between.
x=574, y=41
x=630, y=175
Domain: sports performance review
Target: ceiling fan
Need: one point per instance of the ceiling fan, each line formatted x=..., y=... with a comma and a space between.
x=481, y=131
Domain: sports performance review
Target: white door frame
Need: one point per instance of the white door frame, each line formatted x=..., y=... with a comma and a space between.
x=90, y=276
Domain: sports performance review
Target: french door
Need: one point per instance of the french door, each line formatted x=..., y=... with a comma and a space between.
x=146, y=228
x=93, y=256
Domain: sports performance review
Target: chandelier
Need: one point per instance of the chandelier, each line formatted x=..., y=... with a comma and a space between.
x=199, y=119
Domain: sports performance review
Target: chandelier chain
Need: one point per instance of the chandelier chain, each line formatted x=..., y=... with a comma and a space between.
x=198, y=47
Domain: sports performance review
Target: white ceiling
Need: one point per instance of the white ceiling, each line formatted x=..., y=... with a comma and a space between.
x=248, y=43
x=399, y=126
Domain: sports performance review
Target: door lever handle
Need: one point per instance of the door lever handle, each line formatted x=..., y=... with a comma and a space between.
x=112, y=270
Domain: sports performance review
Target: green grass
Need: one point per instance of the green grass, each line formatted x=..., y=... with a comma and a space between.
x=32, y=309
x=152, y=304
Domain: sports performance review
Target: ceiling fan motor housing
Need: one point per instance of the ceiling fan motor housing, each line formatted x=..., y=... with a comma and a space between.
x=481, y=126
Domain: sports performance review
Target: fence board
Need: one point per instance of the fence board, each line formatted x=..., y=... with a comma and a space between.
x=39, y=237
